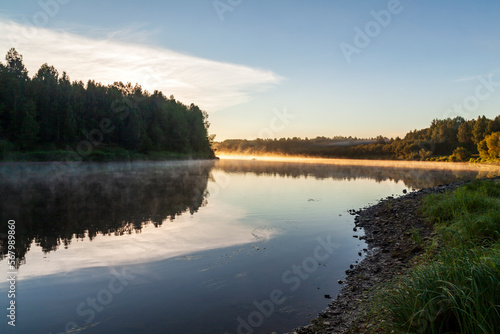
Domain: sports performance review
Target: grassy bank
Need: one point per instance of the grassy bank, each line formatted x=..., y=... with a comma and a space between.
x=455, y=287
x=104, y=154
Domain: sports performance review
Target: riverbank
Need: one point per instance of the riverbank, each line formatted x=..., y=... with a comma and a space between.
x=99, y=155
x=398, y=236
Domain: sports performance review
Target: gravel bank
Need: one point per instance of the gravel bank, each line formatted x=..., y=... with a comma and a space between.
x=389, y=228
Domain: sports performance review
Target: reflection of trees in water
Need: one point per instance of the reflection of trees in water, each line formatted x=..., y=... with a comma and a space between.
x=96, y=198
x=120, y=198
x=413, y=178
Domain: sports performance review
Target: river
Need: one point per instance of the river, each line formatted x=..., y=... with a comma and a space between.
x=228, y=246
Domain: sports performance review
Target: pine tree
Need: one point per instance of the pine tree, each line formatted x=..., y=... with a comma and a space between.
x=15, y=64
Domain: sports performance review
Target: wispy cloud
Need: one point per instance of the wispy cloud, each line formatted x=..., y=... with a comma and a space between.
x=210, y=84
x=465, y=79
x=477, y=77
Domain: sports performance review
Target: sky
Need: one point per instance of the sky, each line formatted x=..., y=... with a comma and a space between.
x=281, y=68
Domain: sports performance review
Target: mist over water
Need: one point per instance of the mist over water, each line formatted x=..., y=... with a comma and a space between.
x=415, y=175
x=204, y=240
x=108, y=199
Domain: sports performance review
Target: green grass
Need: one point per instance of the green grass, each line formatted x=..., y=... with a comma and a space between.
x=470, y=213
x=457, y=293
x=457, y=289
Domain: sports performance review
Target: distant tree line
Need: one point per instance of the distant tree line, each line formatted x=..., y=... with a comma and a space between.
x=454, y=139
x=49, y=112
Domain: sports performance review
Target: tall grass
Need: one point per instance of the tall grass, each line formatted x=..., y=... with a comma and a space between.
x=457, y=291
x=470, y=213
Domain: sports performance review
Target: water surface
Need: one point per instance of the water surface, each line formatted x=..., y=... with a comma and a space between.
x=223, y=246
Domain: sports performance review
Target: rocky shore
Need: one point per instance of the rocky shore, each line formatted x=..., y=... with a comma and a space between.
x=395, y=233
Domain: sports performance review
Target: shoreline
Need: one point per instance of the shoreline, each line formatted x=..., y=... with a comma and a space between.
x=125, y=156
x=390, y=231
x=436, y=165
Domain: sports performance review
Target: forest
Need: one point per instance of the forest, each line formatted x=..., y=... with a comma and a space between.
x=49, y=117
x=456, y=139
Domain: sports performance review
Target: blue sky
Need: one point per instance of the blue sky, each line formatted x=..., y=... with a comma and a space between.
x=276, y=68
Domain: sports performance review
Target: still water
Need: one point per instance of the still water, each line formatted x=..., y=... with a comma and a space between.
x=223, y=246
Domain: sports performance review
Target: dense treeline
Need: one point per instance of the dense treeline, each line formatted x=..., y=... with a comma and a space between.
x=48, y=112
x=454, y=139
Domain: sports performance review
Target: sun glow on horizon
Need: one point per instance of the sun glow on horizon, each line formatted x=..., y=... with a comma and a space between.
x=360, y=162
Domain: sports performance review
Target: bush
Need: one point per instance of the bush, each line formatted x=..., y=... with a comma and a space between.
x=493, y=144
x=460, y=154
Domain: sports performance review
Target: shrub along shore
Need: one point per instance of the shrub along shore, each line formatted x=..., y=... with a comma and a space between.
x=432, y=265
